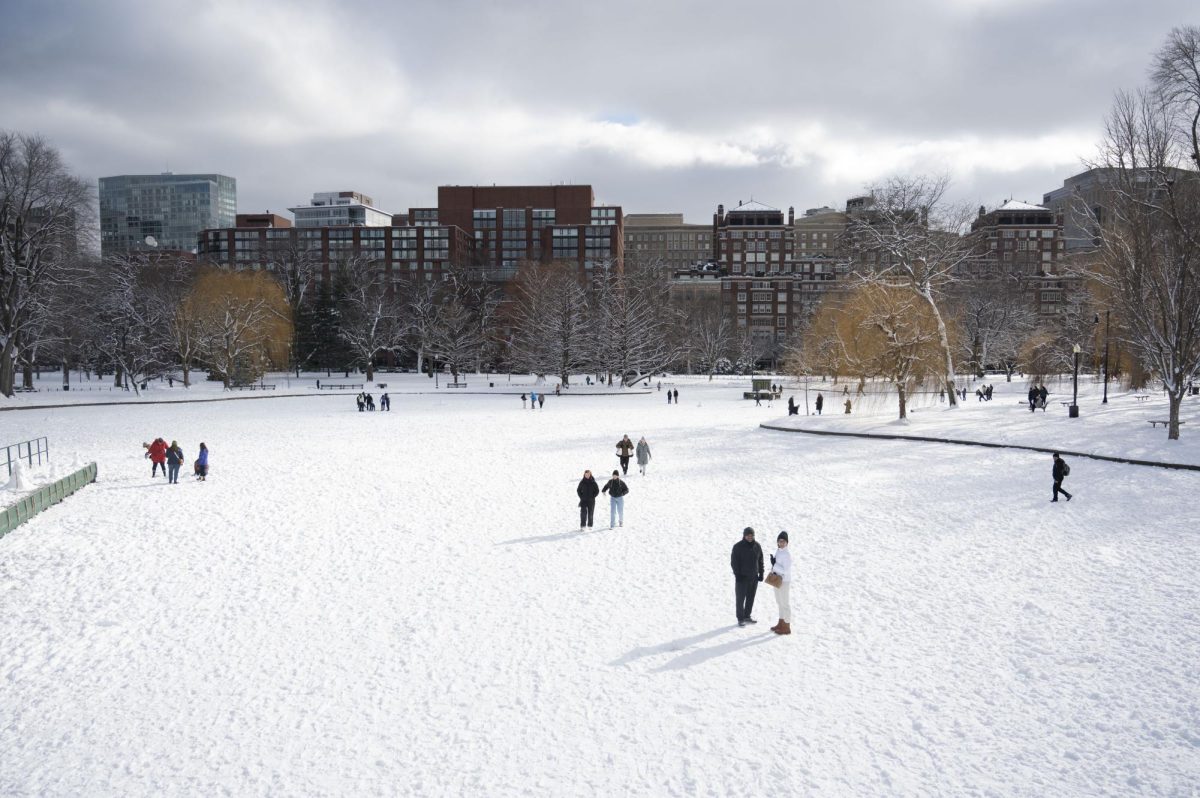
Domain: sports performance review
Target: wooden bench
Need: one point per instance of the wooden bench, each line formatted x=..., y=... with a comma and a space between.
x=250, y=386
x=1141, y=397
x=1154, y=423
x=23, y=389
x=456, y=385
x=342, y=386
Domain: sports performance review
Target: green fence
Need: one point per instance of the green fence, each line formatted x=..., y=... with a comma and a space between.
x=44, y=497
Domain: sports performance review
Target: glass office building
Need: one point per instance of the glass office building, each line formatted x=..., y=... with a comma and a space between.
x=163, y=212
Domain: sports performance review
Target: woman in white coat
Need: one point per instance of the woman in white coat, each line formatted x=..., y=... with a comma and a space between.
x=781, y=563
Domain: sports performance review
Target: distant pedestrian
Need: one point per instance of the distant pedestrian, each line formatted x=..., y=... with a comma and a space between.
x=541, y=400
x=1060, y=471
x=820, y=403
x=758, y=398
x=174, y=460
x=669, y=397
x=557, y=392
x=522, y=401
x=617, y=490
x=987, y=392
x=847, y=407
x=660, y=386
x=781, y=564
x=942, y=396
x=202, y=463
x=371, y=403
x=643, y=455
x=587, y=491
x=1033, y=398
x=676, y=396
x=385, y=402
x=1043, y=394
x=362, y=402
x=157, y=452
x=624, y=452
x=533, y=400
x=792, y=409
x=746, y=560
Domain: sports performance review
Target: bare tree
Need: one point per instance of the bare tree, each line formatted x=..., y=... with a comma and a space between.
x=457, y=337
x=1149, y=260
x=296, y=264
x=996, y=319
x=634, y=320
x=549, y=320
x=242, y=316
x=911, y=236
x=43, y=212
x=418, y=308
x=710, y=336
x=131, y=318
x=371, y=314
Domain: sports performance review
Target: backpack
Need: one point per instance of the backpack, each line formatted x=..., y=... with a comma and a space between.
x=1066, y=469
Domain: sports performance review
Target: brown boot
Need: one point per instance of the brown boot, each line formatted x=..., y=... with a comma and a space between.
x=775, y=628
x=784, y=628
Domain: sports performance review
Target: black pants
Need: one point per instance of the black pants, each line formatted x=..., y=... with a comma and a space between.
x=744, y=590
x=585, y=513
x=154, y=469
x=624, y=458
x=1058, y=488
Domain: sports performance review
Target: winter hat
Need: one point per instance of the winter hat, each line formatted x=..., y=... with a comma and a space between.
x=748, y=531
x=782, y=536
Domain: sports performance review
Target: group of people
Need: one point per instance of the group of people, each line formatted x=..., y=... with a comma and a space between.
x=746, y=561
x=536, y=400
x=984, y=393
x=588, y=490
x=1037, y=397
x=367, y=402
x=169, y=457
x=672, y=393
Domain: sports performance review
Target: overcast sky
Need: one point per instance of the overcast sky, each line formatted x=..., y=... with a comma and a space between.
x=660, y=106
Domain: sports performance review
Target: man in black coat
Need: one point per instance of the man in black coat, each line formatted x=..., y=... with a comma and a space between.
x=1060, y=471
x=746, y=560
x=588, y=490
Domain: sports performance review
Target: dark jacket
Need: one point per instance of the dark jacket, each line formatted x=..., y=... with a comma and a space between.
x=174, y=456
x=1060, y=469
x=615, y=487
x=624, y=447
x=747, y=559
x=588, y=490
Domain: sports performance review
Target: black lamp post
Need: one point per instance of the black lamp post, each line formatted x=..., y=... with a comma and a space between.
x=1073, y=410
x=1096, y=320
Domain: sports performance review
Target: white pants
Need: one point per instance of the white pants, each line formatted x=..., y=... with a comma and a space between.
x=783, y=599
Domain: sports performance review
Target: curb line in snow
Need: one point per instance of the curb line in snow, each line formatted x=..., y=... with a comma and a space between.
x=295, y=396
x=927, y=439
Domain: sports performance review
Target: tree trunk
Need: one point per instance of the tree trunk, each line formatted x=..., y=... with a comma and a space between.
x=420, y=359
x=371, y=371
x=901, y=393
x=27, y=376
x=117, y=374
x=944, y=341
x=187, y=373
x=6, y=370
x=1176, y=398
x=66, y=373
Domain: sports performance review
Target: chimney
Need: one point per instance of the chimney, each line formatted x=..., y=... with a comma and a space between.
x=791, y=214
x=982, y=211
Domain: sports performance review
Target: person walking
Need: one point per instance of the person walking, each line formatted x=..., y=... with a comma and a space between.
x=669, y=396
x=820, y=403
x=676, y=396
x=1060, y=472
x=157, y=452
x=522, y=401
x=1043, y=395
x=616, y=490
x=847, y=407
x=541, y=400
x=588, y=490
x=533, y=400
x=624, y=452
x=1033, y=398
x=385, y=402
x=202, y=463
x=781, y=564
x=643, y=454
x=792, y=409
x=174, y=460
x=746, y=560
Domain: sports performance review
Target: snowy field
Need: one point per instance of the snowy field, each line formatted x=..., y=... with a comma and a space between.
x=402, y=603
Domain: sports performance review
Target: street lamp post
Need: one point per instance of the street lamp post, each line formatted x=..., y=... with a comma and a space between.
x=1074, y=409
x=1106, y=314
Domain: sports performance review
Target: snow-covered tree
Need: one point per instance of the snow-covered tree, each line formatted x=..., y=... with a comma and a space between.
x=710, y=336
x=131, y=318
x=1149, y=258
x=243, y=316
x=44, y=210
x=634, y=321
x=549, y=319
x=996, y=319
x=911, y=236
x=457, y=337
x=296, y=264
x=371, y=315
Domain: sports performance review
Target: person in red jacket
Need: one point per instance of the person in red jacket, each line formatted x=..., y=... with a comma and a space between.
x=157, y=452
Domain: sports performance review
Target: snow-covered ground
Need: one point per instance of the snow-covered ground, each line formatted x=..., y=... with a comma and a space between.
x=402, y=603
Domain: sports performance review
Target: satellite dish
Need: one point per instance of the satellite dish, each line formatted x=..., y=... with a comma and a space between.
x=151, y=241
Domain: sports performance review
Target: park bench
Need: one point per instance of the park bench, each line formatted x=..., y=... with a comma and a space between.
x=1141, y=397
x=1155, y=422
x=1066, y=404
x=251, y=386
x=456, y=385
x=23, y=389
x=381, y=386
x=342, y=386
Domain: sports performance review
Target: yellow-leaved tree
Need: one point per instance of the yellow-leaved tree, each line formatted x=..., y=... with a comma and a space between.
x=242, y=323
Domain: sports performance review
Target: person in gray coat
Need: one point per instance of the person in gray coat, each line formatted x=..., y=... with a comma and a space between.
x=643, y=455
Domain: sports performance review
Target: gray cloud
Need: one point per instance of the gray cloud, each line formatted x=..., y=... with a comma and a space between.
x=672, y=106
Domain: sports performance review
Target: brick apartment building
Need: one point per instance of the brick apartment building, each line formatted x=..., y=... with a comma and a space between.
x=1026, y=241
x=665, y=237
x=493, y=228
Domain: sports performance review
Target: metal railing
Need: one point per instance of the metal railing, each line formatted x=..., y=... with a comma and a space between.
x=44, y=498
x=38, y=448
